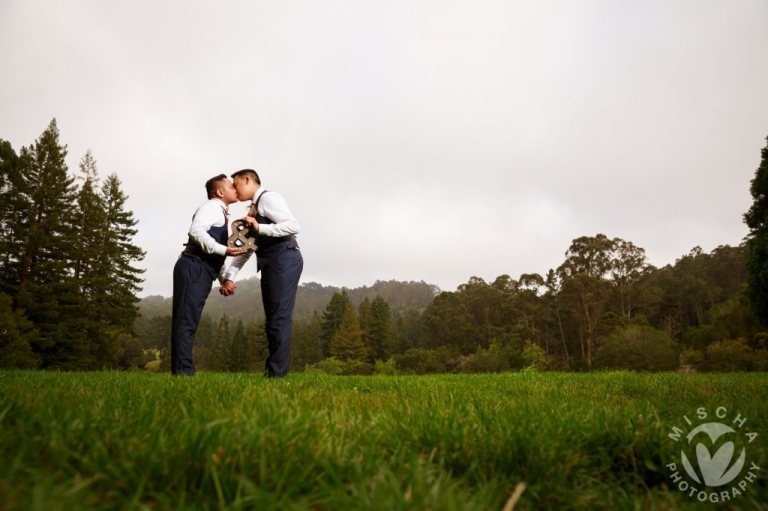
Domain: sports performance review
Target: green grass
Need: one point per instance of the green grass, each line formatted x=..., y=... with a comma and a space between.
x=116, y=440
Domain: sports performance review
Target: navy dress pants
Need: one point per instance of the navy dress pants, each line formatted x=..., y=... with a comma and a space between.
x=192, y=280
x=280, y=272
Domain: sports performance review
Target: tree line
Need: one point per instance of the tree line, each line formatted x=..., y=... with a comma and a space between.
x=68, y=280
x=68, y=298
x=605, y=306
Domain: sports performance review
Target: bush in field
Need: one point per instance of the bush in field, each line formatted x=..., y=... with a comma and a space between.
x=694, y=358
x=328, y=365
x=760, y=361
x=640, y=349
x=356, y=367
x=535, y=356
x=495, y=359
x=729, y=356
x=388, y=368
x=419, y=361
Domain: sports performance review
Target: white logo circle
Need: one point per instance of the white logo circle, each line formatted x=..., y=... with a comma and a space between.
x=715, y=470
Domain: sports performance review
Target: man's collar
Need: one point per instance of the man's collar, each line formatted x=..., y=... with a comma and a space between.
x=257, y=194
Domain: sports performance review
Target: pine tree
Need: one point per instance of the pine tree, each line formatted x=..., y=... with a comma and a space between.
x=381, y=328
x=206, y=332
x=757, y=221
x=258, y=349
x=91, y=216
x=47, y=236
x=365, y=320
x=306, y=344
x=90, y=213
x=219, y=354
x=334, y=311
x=118, y=279
x=10, y=210
x=239, y=352
x=347, y=342
x=15, y=334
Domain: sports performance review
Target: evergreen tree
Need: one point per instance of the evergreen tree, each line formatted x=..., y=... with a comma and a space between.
x=206, y=332
x=365, y=320
x=757, y=221
x=380, y=329
x=91, y=216
x=347, y=342
x=306, y=344
x=15, y=334
x=258, y=350
x=331, y=321
x=105, y=344
x=219, y=354
x=11, y=208
x=120, y=279
x=47, y=236
x=238, y=356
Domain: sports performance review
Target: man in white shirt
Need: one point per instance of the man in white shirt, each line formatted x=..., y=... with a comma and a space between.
x=197, y=267
x=278, y=259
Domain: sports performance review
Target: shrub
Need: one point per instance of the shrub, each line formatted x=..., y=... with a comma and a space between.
x=535, y=356
x=694, y=358
x=419, y=361
x=493, y=360
x=638, y=348
x=356, y=367
x=328, y=365
x=387, y=367
x=729, y=356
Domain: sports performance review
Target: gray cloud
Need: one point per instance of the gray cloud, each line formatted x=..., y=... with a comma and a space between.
x=413, y=140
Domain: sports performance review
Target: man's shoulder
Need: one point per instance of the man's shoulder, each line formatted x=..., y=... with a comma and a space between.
x=210, y=205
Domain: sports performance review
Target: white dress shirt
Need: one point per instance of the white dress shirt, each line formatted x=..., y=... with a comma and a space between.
x=274, y=207
x=211, y=214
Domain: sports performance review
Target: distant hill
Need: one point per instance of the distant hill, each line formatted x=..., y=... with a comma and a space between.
x=246, y=302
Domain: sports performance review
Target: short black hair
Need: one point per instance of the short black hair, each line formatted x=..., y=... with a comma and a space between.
x=214, y=184
x=247, y=172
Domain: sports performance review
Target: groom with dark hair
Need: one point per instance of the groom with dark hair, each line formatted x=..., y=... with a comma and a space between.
x=197, y=267
x=278, y=259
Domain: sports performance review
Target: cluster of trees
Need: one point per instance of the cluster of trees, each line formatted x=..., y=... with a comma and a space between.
x=68, y=298
x=68, y=282
x=603, y=307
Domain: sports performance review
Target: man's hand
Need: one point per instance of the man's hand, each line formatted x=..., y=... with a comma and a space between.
x=252, y=223
x=227, y=288
x=235, y=251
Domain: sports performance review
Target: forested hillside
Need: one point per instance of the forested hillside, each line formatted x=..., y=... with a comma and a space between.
x=246, y=302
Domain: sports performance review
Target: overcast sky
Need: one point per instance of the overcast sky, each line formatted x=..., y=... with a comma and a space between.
x=412, y=139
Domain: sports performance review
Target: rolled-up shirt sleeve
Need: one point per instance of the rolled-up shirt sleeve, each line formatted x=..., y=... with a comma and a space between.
x=235, y=264
x=208, y=215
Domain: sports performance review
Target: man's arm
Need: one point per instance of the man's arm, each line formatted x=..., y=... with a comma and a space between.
x=273, y=206
x=236, y=263
x=206, y=216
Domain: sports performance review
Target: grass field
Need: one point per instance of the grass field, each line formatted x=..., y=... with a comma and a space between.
x=116, y=440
